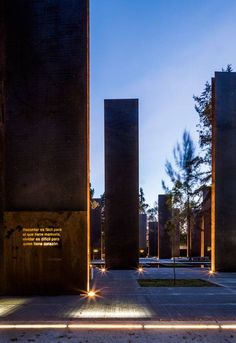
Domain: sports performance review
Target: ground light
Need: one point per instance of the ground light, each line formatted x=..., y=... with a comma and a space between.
x=120, y=326
x=140, y=269
x=92, y=294
x=103, y=270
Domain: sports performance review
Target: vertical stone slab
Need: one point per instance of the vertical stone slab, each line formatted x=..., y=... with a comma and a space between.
x=201, y=227
x=195, y=236
x=142, y=234
x=175, y=241
x=175, y=233
x=2, y=79
x=164, y=234
x=206, y=224
x=121, y=184
x=46, y=165
x=153, y=239
x=95, y=229
x=224, y=171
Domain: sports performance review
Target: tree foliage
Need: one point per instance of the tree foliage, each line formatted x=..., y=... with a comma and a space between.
x=203, y=106
x=152, y=213
x=142, y=204
x=184, y=194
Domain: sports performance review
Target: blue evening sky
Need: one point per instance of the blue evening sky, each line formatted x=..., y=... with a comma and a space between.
x=162, y=52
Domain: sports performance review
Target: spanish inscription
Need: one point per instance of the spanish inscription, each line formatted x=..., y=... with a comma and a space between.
x=41, y=237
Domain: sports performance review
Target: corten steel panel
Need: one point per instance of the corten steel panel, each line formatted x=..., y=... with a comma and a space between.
x=142, y=234
x=153, y=238
x=2, y=73
x=224, y=172
x=164, y=235
x=196, y=227
x=46, y=94
x=121, y=184
x=44, y=270
x=206, y=222
x=95, y=229
x=175, y=241
x=175, y=233
x=46, y=124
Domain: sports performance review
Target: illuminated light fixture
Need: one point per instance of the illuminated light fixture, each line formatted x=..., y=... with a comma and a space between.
x=183, y=326
x=141, y=251
x=103, y=270
x=140, y=269
x=211, y=272
x=121, y=326
x=91, y=294
x=95, y=250
x=228, y=326
x=106, y=326
x=34, y=326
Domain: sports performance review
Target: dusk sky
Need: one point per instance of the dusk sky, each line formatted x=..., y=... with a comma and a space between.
x=162, y=52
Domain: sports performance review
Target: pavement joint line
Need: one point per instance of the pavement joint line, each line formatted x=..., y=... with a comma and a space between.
x=122, y=326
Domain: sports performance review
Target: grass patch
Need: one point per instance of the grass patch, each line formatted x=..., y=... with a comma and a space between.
x=178, y=283
x=183, y=265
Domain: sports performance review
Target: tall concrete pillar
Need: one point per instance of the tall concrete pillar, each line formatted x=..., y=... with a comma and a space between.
x=121, y=184
x=223, y=173
x=142, y=234
x=164, y=231
x=45, y=101
x=153, y=239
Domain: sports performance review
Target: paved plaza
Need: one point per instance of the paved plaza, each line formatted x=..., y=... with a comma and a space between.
x=121, y=297
x=122, y=300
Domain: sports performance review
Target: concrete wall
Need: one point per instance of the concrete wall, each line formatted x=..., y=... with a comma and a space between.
x=45, y=119
x=153, y=238
x=224, y=171
x=164, y=235
x=121, y=184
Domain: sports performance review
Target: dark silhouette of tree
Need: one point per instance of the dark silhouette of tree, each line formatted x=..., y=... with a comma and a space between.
x=184, y=195
x=92, y=191
x=142, y=205
x=203, y=106
x=152, y=213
